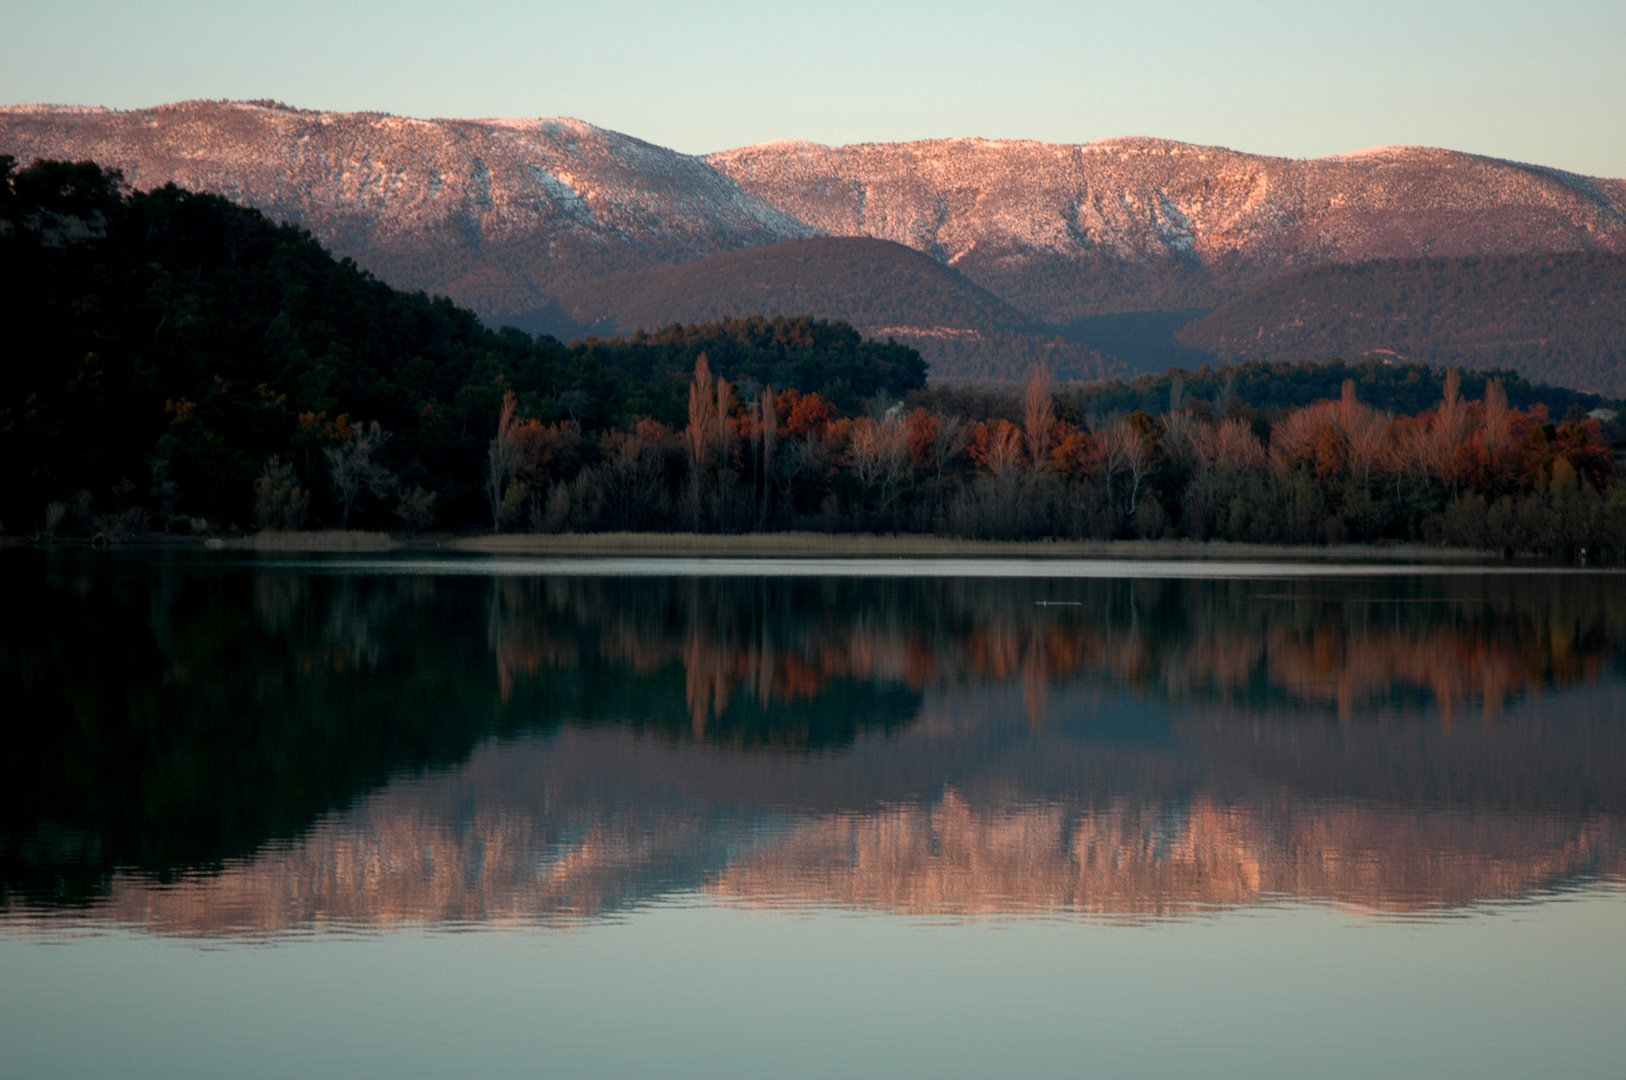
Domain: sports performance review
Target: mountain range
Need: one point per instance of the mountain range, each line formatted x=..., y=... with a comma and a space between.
x=1024, y=247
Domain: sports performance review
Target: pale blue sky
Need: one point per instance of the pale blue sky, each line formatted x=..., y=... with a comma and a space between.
x=1536, y=82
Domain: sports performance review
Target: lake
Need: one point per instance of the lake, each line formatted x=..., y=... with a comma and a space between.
x=398, y=817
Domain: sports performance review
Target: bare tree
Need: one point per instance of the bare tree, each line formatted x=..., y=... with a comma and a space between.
x=354, y=469
x=1039, y=416
x=55, y=514
x=1002, y=446
x=1498, y=417
x=1368, y=433
x=725, y=450
x=768, y=429
x=697, y=437
x=634, y=471
x=950, y=437
x=1129, y=451
x=503, y=460
x=1227, y=444
x=881, y=460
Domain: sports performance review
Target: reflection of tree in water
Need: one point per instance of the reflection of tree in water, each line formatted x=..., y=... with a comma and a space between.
x=169, y=718
x=759, y=663
x=1351, y=646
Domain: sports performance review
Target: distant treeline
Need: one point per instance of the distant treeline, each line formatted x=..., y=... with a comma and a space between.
x=1554, y=317
x=179, y=362
x=1406, y=389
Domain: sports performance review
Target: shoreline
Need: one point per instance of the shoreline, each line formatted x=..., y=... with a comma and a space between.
x=782, y=545
x=911, y=546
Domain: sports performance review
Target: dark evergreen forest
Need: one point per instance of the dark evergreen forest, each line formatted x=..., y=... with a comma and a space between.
x=162, y=345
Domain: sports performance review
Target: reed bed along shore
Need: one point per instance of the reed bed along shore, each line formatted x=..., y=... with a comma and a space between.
x=774, y=545
x=910, y=546
x=324, y=541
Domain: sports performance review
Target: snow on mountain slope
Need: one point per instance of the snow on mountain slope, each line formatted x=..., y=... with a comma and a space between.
x=493, y=212
x=1224, y=218
x=1149, y=198
x=511, y=215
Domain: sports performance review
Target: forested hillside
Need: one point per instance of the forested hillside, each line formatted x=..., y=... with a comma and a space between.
x=162, y=345
x=1555, y=318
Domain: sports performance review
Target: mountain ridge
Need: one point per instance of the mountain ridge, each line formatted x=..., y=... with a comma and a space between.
x=513, y=217
x=1210, y=222
x=454, y=206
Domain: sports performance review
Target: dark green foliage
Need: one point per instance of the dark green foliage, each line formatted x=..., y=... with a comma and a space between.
x=1404, y=389
x=1555, y=318
x=162, y=345
x=788, y=353
x=179, y=327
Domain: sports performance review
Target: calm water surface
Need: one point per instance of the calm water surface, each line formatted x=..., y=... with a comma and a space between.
x=505, y=818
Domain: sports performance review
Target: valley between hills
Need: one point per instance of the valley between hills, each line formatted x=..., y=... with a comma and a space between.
x=988, y=256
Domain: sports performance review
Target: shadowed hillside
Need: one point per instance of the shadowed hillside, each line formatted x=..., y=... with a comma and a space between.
x=883, y=289
x=1554, y=318
x=872, y=283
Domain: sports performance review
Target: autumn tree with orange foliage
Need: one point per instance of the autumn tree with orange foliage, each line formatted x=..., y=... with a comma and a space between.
x=1477, y=473
x=526, y=461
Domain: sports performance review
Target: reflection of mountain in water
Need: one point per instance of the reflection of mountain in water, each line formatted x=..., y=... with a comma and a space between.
x=1128, y=860
x=1109, y=747
x=587, y=822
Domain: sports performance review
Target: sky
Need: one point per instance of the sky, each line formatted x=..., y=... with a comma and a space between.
x=1544, y=83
